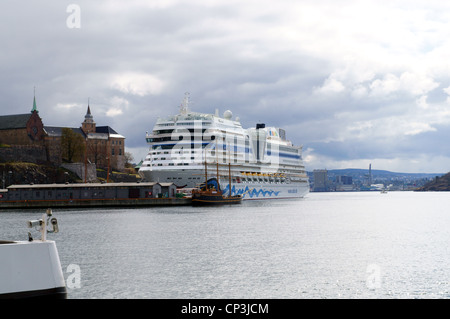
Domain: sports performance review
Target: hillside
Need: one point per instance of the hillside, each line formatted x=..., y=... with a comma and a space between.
x=27, y=173
x=361, y=174
x=376, y=173
x=439, y=184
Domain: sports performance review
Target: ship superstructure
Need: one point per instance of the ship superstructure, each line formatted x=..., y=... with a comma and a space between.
x=262, y=163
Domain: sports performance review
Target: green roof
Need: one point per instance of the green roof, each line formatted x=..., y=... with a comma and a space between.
x=34, y=106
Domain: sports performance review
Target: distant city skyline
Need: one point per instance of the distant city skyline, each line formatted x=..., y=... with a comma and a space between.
x=363, y=180
x=354, y=82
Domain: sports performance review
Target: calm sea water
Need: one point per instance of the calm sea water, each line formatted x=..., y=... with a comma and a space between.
x=327, y=245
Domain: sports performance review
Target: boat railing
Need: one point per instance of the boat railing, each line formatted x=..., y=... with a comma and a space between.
x=41, y=225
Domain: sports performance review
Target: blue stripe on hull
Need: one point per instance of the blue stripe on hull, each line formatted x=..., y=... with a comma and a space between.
x=261, y=192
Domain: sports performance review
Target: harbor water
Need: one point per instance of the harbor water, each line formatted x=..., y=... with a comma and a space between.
x=327, y=245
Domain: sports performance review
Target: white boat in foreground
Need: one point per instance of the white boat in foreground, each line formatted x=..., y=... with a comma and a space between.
x=32, y=269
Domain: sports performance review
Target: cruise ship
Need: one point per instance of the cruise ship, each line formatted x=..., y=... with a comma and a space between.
x=258, y=163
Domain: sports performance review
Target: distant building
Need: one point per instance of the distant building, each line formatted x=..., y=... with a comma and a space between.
x=344, y=180
x=104, y=146
x=344, y=183
x=320, y=180
x=22, y=129
x=53, y=143
x=24, y=137
x=369, y=176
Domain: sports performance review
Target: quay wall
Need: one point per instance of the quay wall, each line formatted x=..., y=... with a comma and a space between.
x=85, y=203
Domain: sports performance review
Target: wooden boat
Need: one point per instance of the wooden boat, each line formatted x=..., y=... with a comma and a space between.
x=210, y=193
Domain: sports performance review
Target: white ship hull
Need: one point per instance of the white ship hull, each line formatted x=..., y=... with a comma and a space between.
x=191, y=178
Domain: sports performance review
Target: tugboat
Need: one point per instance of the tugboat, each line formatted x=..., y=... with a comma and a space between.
x=32, y=269
x=210, y=192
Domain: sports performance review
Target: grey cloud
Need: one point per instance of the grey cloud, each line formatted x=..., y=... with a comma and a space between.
x=264, y=65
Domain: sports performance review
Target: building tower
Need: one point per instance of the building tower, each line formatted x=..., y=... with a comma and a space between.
x=320, y=180
x=34, y=109
x=88, y=126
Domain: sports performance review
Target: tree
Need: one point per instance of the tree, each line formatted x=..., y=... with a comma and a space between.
x=97, y=152
x=128, y=159
x=72, y=145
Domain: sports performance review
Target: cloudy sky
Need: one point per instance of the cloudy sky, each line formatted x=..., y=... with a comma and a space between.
x=354, y=82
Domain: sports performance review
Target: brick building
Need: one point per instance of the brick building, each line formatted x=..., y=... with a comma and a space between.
x=22, y=129
x=105, y=147
x=24, y=137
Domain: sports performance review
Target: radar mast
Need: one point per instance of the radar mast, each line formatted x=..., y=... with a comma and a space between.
x=184, y=106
